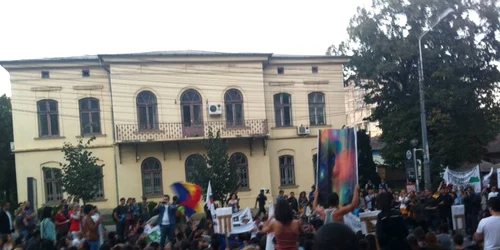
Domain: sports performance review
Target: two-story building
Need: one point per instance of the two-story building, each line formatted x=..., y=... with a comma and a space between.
x=151, y=111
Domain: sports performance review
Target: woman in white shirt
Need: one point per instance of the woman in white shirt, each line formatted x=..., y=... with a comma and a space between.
x=403, y=199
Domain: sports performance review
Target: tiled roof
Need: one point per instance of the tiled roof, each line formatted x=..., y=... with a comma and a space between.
x=170, y=53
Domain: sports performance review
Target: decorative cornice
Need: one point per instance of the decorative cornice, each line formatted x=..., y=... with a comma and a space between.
x=88, y=87
x=46, y=88
x=284, y=83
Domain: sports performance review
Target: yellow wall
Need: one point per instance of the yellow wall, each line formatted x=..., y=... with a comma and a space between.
x=29, y=164
x=257, y=80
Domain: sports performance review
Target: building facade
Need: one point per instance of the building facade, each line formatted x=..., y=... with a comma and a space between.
x=357, y=110
x=150, y=112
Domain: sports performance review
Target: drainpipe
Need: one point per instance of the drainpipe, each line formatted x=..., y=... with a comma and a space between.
x=108, y=73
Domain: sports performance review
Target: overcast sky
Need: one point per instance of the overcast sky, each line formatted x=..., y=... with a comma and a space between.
x=51, y=28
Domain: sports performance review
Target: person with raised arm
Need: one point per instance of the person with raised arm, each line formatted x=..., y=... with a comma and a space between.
x=334, y=213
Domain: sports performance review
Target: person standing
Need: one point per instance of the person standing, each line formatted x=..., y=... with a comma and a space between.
x=144, y=209
x=90, y=228
x=281, y=195
x=101, y=228
x=62, y=222
x=383, y=186
x=166, y=219
x=119, y=217
x=261, y=201
x=293, y=202
x=493, y=193
x=47, y=230
x=75, y=218
x=334, y=213
x=391, y=229
x=489, y=228
x=6, y=222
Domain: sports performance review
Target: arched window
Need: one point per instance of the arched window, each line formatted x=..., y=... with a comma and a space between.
x=147, y=110
x=152, y=183
x=287, y=170
x=283, y=109
x=90, y=116
x=48, y=118
x=233, y=100
x=192, y=162
x=241, y=163
x=53, y=189
x=192, y=113
x=317, y=114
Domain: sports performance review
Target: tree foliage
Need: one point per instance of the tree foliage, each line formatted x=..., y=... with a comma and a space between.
x=366, y=165
x=460, y=76
x=81, y=174
x=217, y=168
x=7, y=161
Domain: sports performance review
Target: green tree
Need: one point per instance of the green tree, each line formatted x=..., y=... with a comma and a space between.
x=460, y=75
x=81, y=174
x=7, y=160
x=366, y=165
x=217, y=168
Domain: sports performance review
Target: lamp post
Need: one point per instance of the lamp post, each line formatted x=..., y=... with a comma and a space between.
x=423, y=122
x=414, y=143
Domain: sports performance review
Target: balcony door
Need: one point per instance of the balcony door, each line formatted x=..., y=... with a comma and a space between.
x=192, y=114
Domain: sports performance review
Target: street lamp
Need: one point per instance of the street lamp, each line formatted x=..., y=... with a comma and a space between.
x=414, y=143
x=423, y=122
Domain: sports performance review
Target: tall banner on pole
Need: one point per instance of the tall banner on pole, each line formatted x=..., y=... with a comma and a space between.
x=337, y=163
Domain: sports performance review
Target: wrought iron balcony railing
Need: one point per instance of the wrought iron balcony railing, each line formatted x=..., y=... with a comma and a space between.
x=178, y=131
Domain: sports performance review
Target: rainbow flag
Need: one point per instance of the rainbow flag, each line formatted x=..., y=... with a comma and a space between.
x=189, y=196
x=337, y=169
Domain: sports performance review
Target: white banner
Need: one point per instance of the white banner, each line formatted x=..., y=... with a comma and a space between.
x=498, y=176
x=458, y=216
x=487, y=178
x=353, y=222
x=470, y=178
x=242, y=222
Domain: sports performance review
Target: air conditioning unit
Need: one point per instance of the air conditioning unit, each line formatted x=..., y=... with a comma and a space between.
x=214, y=109
x=303, y=130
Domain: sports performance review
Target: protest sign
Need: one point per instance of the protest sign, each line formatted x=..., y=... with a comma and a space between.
x=469, y=178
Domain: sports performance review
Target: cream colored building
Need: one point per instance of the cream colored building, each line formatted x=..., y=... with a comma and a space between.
x=357, y=110
x=150, y=111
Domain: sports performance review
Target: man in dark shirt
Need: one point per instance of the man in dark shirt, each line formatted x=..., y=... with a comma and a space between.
x=293, y=202
x=472, y=206
x=445, y=201
x=430, y=206
x=119, y=214
x=261, y=200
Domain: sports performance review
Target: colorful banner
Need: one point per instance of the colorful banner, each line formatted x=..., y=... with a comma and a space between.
x=469, y=178
x=337, y=164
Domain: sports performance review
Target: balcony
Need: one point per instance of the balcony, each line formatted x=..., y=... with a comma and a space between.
x=180, y=131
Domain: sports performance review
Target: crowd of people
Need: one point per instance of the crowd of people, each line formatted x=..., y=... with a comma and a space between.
x=410, y=220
